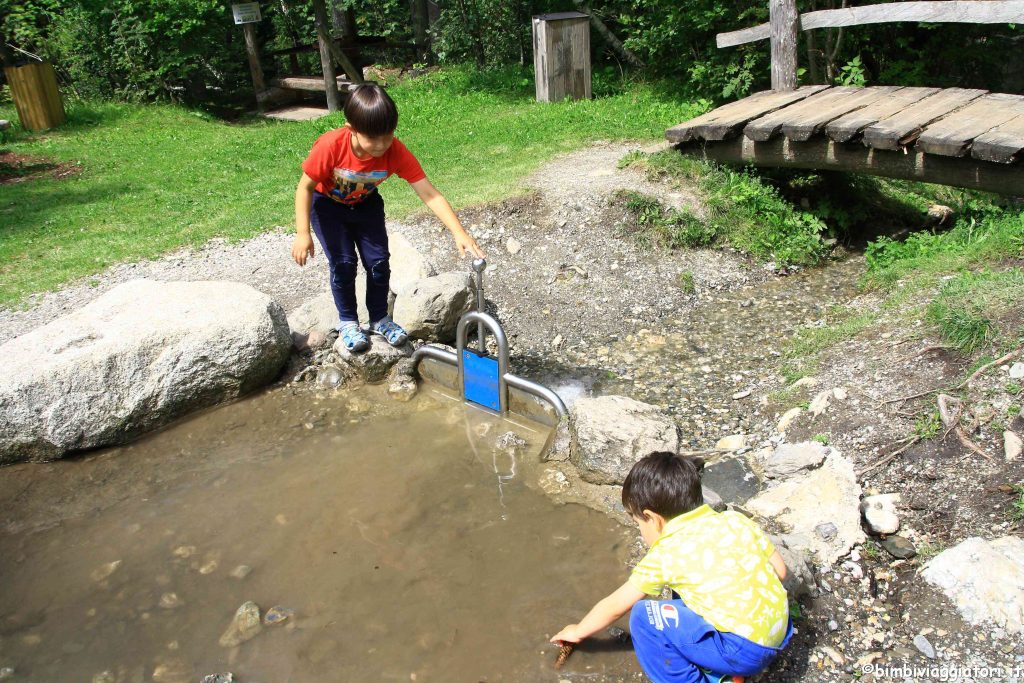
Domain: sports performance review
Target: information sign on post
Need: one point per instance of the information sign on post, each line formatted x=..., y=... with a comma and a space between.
x=246, y=12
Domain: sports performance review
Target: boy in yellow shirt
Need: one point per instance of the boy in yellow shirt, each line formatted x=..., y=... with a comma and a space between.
x=731, y=615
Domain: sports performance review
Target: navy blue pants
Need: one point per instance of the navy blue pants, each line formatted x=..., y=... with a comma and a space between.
x=673, y=644
x=348, y=234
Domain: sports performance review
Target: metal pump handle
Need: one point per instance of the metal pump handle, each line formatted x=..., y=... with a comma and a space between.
x=479, y=265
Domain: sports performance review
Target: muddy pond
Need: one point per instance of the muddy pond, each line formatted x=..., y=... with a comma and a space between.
x=401, y=542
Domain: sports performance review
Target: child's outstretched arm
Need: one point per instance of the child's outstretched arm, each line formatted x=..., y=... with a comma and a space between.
x=436, y=202
x=778, y=564
x=302, y=245
x=602, y=615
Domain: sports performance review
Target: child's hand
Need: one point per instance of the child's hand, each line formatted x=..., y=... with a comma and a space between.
x=464, y=242
x=302, y=249
x=567, y=635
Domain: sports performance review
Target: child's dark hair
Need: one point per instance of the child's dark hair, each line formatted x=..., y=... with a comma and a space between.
x=665, y=483
x=371, y=111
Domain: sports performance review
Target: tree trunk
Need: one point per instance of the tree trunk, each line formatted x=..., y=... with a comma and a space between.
x=608, y=36
x=324, y=38
x=419, y=28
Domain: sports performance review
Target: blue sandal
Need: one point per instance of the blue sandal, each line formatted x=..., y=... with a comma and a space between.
x=390, y=330
x=353, y=337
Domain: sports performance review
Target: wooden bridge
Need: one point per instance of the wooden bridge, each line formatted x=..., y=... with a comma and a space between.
x=955, y=136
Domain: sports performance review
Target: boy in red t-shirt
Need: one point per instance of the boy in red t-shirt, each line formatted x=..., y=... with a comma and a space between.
x=338, y=195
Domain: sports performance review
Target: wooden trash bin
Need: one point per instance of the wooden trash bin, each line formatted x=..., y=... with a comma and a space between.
x=561, y=56
x=34, y=90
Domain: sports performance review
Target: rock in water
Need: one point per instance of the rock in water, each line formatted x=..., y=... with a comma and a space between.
x=136, y=358
x=277, y=614
x=219, y=678
x=402, y=383
x=244, y=626
x=511, y=443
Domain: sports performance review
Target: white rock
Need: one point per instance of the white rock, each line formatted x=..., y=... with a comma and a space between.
x=1017, y=371
x=828, y=496
x=788, y=459
x=244, y=626
x=430, y=308
x=741, y=394
x=513, y=246
x=787, y=419
x=806, y=382
x=136, y=358
x=880, y=513
x=820, y=403
x=1012, y=446
x=839, y=393
x=984, y=579
x=608, y=434
x=733, y=442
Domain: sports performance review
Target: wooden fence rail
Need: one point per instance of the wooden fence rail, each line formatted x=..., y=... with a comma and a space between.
x=785, y=23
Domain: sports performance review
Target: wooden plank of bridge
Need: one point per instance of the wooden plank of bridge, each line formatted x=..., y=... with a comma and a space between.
x=952, y=135
x=847, y=127
x=1003, y=144
x=725, y=121
x=802, y=120
x=820, y=153
x=903, y=127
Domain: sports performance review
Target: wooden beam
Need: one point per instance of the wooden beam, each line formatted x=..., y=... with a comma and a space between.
x=727, y=120
x=903, y=127
x=310, y=84
x=785, y=21
x=255, y=69
x=944, y=11
x=823, y=154
x=849, y=126
x=952, y=135
x=1004, y=145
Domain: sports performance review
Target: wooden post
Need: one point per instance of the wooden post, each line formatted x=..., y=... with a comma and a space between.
x=785, y=23
x=324, y=38
x=34, y=91
x=255, y=68
x=419, y=28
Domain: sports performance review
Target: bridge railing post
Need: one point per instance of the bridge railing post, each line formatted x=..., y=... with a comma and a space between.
x=785, y=25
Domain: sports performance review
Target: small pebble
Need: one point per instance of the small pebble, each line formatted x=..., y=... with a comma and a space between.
x=925, y=648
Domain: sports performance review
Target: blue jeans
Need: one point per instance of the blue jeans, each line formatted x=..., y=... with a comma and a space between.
x=673, y=643
x=344, y=232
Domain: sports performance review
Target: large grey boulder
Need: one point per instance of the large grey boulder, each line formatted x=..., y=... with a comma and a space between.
x=819, y=510
x=408, y=265
x=133, y=360
x=430, y=308
x=312, y=321
x=984, y=579
x=608, y=434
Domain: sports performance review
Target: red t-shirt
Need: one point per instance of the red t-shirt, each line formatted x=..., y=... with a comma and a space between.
x=346, y=178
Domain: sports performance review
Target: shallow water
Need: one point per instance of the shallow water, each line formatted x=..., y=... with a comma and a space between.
x=408, y=547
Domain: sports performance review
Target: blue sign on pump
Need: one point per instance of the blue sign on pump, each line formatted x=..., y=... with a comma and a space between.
x=481, y=379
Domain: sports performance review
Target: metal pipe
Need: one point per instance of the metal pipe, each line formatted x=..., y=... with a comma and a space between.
x=499, y=337
x=478, y=266
x=435, y=353
x=540, y=391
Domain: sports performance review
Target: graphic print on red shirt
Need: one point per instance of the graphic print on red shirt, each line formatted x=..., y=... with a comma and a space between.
x=346, y=178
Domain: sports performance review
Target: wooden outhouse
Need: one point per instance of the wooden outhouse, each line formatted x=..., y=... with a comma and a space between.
x=561, y=56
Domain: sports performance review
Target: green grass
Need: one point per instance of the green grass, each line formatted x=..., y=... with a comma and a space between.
x=159, y=177
x=742, y=210
x=968, y=307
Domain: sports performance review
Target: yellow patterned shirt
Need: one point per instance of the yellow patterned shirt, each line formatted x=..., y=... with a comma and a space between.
x=718, y=564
